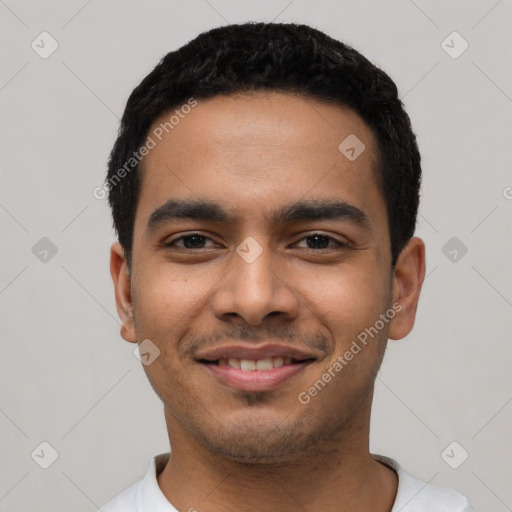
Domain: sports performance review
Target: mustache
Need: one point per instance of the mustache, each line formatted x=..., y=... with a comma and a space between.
x=316, y=341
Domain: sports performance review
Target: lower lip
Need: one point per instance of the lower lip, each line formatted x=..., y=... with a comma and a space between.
x=256, y=380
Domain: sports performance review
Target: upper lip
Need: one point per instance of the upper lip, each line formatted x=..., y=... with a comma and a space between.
x=240, y=351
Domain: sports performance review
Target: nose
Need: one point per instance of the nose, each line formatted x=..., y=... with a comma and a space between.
x=254, y=289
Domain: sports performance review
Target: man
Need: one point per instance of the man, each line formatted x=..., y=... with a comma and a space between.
x=264, y=188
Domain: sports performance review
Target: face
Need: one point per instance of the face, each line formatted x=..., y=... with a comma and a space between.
x=261, y=258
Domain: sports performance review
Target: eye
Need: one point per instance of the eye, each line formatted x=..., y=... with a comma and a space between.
x=191, y=241
x=314, y=241
x=321, y=241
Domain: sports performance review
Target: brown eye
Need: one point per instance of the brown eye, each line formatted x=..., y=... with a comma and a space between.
x=192, y=241
x=320, y=241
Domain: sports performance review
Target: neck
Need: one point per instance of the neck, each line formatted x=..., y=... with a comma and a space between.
x=336, y=475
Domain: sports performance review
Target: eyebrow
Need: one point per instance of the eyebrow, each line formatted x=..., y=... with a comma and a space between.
x=301, y=211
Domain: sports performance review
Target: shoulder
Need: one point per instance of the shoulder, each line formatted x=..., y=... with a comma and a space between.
x=420, y=496
x=143, y=495
x=126, y=501
x=415, y=495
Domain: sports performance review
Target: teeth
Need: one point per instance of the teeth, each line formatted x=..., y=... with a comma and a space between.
x=264, y=364
x=249, y=365
x=278, y=361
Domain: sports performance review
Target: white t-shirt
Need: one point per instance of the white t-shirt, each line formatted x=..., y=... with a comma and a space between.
x=412, y=495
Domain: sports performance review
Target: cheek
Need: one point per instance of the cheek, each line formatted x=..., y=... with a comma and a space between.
x=348, y=303
x=162, y=299
x=168, y=303
x=347, y=299
x=163, y=293
x=163, y=307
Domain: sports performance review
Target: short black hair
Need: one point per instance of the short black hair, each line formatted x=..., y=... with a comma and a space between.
x=281, y=57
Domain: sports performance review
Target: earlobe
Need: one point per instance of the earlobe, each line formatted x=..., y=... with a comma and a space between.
x=406, y=287
x=121, y=278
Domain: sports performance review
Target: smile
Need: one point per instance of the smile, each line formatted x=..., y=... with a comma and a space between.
x=249, y=365
x=255, y=375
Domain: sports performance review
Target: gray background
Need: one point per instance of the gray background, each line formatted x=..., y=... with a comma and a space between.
x=68, y=378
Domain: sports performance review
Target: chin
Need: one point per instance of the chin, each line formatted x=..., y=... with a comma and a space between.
x=253, y=451
x=260, y=441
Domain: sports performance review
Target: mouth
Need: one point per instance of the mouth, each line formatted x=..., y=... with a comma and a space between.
x=250, y=369
x=252, y=365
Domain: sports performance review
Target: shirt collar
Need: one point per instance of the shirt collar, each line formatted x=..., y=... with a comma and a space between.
x=408, y=486
x=149, y=494
x=151, y=497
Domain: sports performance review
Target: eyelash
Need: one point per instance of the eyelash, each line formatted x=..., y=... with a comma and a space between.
x=340, y=245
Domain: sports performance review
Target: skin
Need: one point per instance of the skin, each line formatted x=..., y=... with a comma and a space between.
x=265, y=450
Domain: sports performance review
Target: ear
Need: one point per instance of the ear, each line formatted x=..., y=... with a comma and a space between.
x=407, y=281
x=122, y=285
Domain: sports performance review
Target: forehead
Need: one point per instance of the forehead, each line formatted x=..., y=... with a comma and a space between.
x=257, y=151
